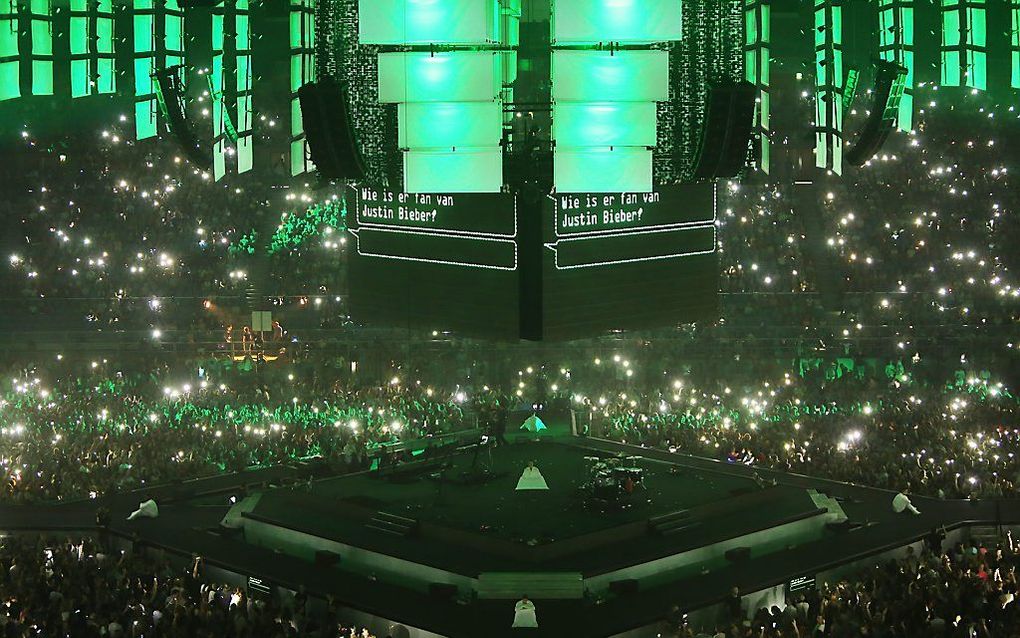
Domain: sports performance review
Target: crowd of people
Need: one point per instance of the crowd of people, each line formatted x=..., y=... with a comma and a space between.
x=79, y=588
x=81, y=428
x=969, y=590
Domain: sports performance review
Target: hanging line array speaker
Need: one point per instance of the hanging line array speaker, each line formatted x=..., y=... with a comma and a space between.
x=329, y=130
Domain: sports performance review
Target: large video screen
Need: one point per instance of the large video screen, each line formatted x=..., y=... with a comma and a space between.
x=556, y=267
x=620, y=261
x=435, y=262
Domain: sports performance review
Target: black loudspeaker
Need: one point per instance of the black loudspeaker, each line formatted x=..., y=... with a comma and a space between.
x=171, y=101
x=727, y=132
x=882, y=119
x=738, y=554
x=442, y=591
x=325, y=558
x=329, y=130
x=626, y=586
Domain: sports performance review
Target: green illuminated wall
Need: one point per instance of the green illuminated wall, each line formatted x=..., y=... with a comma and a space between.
x=469, y=170
x=454, y=76
x=896, y=44
x=623, y=21
x=10, y=76
x=1014, y=43
x=216, y=93
x=243, y=84
x=41, y=20
x=230, y=86
x=605, y=112
x=964, y=38
x=829, y=85
x=623, y=76
x=418, y=22
x=144, y=35
x=444, y=125
x=92, y=48
x=604, y=124
x=302, y=71
x=757, y=38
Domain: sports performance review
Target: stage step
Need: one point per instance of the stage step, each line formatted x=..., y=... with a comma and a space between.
x=667, y=524
x=540, y=585
x=987, y=536
x=392, y=524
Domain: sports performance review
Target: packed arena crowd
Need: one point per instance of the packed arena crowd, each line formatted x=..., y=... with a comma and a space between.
x=867, y=335
x=970, y=589
x=78, y=587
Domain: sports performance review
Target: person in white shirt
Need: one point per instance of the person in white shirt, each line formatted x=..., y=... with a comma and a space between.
x=531, y=479
x=901, y=503
x=524, y=614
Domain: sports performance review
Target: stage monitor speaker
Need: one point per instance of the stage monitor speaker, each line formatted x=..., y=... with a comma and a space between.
x=171, y=100
x=727, y=133
x=882, y=118
x=330, y=131
x=442, y=591
x=738, y=554
x=324, y=558
x=625, y=586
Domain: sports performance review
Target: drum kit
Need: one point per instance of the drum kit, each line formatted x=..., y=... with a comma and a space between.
x=610, y=480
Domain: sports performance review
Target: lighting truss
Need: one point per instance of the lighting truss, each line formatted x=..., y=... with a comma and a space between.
x=896, y=44
x=964, y=41
x=757, y=39
x=829, y=85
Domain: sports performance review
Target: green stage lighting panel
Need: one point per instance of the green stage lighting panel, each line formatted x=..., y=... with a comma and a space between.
x=445, y=125
x=476, y=170
x=602, y=170
x=604, y=124
x=623, y=21
x=896, y=44
x=964, y=40
x=459, y=76
x=426, y=22
x=619, y=76
x=1014, y=43
x=10, y=74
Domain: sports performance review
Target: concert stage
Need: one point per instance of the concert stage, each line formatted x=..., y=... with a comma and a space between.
x=445, y=526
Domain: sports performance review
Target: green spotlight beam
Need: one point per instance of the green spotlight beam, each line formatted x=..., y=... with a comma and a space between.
x=829, y=85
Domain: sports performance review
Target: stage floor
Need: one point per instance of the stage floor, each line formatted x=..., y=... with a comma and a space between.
x=495, y=508
x=470, y=528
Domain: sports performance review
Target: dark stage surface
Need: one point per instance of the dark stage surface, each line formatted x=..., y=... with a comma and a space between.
x=530, y=517
x=471, y=527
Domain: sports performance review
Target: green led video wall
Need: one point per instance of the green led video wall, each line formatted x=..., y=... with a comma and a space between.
x=896, y=44
x=1014, y=43
x=398, y=22
x=623, y=21
x=92, y=48
x=829, y=85
x=757, y=39
x=302, y=71
x=964, y=41
x=10, y=73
